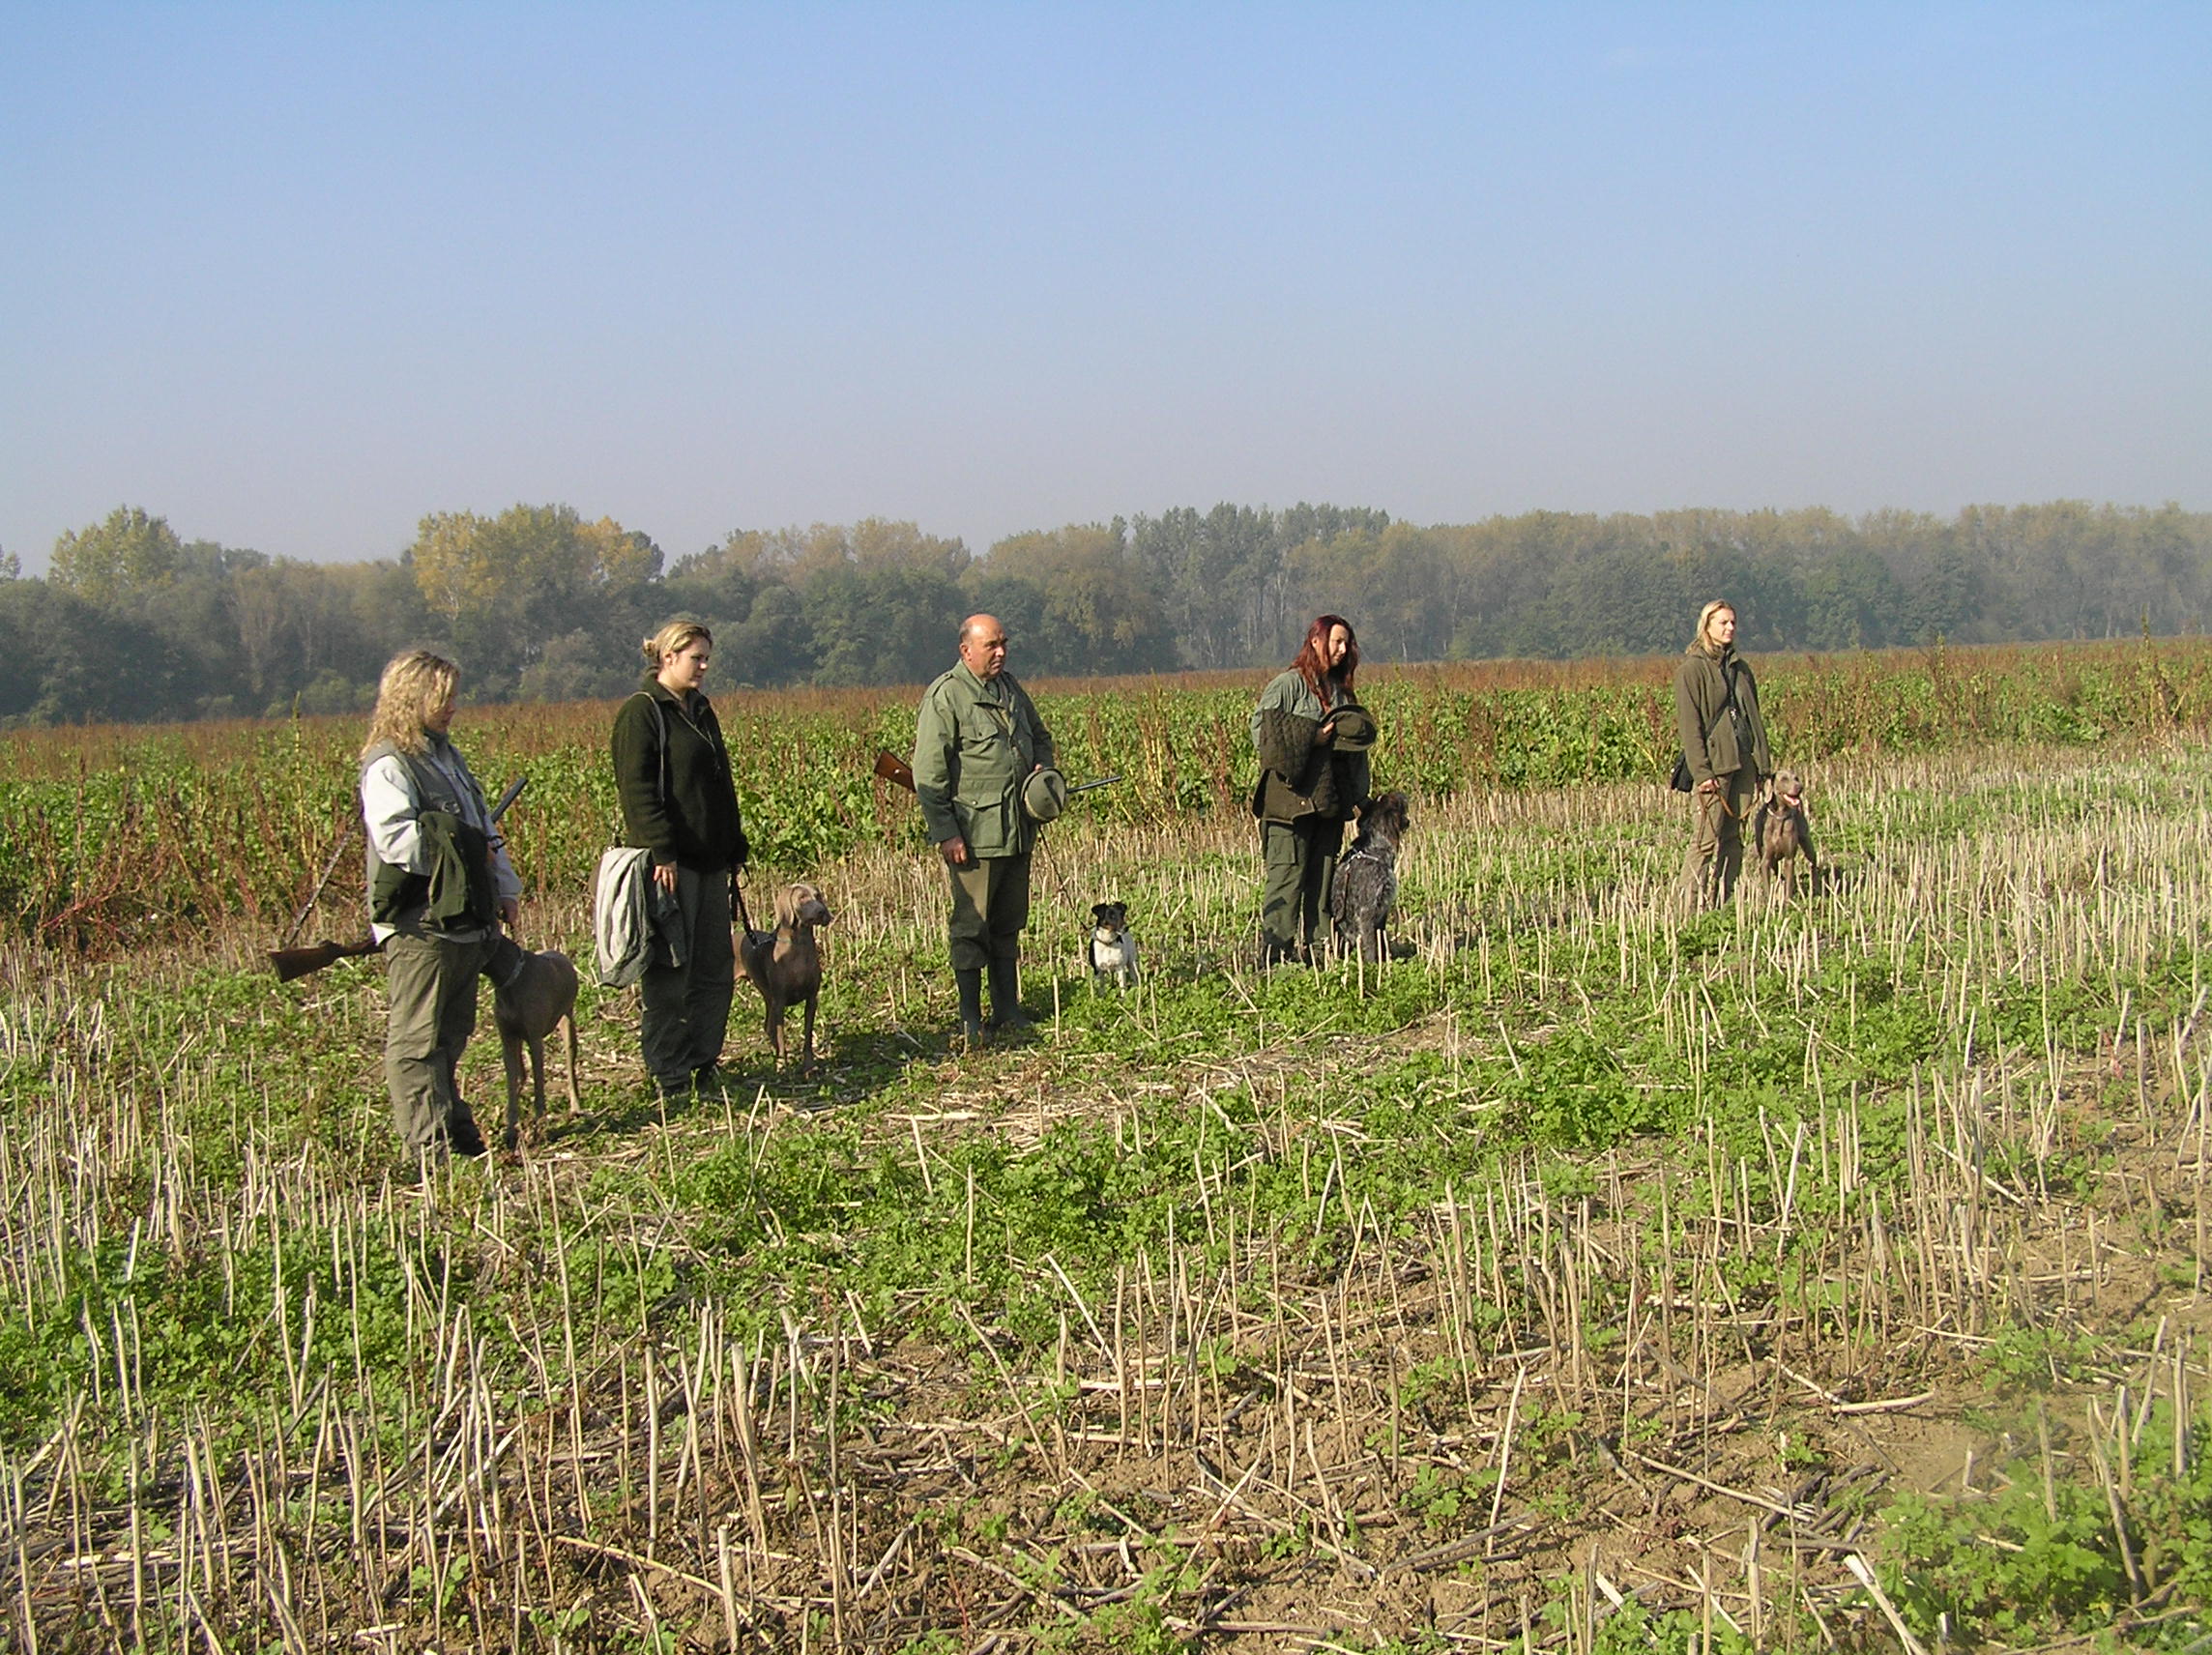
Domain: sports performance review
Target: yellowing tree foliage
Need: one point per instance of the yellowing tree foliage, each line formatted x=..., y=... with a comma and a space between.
x=127, y=554
x=473, y=567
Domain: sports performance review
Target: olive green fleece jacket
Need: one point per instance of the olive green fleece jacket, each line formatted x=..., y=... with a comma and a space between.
x=1713, y=742
x=681, y=805
x=976, y=741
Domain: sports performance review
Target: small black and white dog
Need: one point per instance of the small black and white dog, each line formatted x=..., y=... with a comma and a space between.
x=1366, y=888
x=1112, y=951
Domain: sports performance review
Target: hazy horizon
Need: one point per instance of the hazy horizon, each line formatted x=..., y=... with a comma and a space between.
x=294, y=277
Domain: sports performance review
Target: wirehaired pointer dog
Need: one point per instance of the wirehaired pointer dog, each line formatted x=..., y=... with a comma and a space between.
x=538, y=997
x=1366, y=888
x=786, y=966
x=1112, y=950
x=1781, y=832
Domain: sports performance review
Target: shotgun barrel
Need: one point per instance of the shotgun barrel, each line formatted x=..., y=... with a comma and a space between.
x=895, y=769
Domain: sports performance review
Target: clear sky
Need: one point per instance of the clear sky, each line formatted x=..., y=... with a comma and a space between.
x=293, y=276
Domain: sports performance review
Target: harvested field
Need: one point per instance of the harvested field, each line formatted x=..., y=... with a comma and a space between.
x=1819, y=1274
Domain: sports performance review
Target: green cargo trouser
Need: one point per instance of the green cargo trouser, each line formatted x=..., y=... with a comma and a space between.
x=1715, y=856
x=990, y=909
x=686, y=1015
x=430, y=984
x=1301, y=861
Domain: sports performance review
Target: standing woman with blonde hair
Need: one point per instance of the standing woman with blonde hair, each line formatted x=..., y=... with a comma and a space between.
x=679, y=801
x=1725, y=758
x=438, y=887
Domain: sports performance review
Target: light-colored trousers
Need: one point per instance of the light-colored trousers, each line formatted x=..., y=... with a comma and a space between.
x=1715, y=856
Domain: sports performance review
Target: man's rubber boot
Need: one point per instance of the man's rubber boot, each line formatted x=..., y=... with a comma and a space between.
x=970, y=983
x=1006, y=994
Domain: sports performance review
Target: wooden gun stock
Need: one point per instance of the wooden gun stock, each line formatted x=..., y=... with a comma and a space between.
x=291, y=962
x=895, y=771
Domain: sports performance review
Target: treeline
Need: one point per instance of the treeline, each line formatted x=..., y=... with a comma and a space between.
x=134, y=622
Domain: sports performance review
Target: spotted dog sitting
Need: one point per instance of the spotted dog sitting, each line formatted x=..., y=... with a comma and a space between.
x=1366, y=888
x=1112, y=951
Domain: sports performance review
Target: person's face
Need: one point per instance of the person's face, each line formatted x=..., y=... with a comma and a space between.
x=684, y=670
x=439, y=719
x=1336, y=646
x=1723, y=626
x=984, y=649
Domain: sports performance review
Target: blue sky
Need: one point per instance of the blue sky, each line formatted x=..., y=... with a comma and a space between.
x=295, y=276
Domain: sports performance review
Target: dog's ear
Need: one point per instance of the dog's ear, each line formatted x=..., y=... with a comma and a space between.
x=787, y=901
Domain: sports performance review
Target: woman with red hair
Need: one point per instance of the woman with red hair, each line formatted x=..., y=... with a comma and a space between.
x=1312, y=737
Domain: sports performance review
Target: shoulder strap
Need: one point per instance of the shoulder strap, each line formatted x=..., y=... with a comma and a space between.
x=660, y=728
x=660, y=721
x=1728, y=707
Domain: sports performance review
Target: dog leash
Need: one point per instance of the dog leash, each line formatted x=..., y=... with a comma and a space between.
x=738, y=896
x=1719, y=796
x=1051, y=868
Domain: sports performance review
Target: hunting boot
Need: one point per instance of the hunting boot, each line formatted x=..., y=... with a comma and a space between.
x=1007, y=994
x=969, y=980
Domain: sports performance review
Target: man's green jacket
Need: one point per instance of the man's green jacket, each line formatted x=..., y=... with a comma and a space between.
x=974, y=742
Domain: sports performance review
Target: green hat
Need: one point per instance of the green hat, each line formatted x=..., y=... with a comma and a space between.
x=1044, y=796
x=1356, y=729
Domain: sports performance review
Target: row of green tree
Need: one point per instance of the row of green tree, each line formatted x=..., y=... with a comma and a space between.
x=132, y=622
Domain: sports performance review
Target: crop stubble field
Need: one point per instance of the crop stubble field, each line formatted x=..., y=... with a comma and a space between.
x=1587, y=1278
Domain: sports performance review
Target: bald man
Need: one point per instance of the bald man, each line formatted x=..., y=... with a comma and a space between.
x=976, y=739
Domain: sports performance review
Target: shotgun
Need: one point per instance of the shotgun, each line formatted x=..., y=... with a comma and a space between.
x=896, y=770
x=291, y=962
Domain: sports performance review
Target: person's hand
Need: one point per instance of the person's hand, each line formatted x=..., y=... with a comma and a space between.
x=956, y=851
x=1325, y=733
x=664, y=876
x=511, y=911
x=1711, y=784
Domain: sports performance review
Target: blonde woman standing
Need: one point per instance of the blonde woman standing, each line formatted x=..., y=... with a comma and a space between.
x=680, y=802
x=438, y=887
x=1724, y=749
